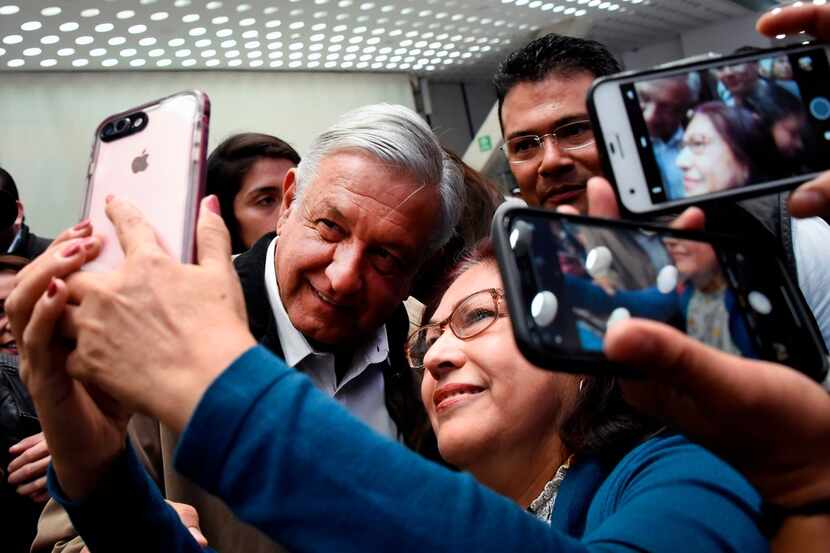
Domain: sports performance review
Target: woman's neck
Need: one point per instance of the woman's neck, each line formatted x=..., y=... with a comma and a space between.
x=520, y=474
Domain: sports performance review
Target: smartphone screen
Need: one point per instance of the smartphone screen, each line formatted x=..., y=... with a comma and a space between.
x=153, y=156
x=575, y=277
x=721, y=128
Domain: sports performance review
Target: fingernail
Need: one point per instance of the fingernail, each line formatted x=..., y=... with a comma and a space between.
x=197, y=534
x=82, y=225
x=811, y=198
x=89, y=243
x=52, y=289
x=213, y=204
x=71, y=249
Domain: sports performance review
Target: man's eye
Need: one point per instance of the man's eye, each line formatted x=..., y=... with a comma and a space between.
x=577, y=129
x=385, y=262
x=524, y=144
x=328, y=229
x=266, y=201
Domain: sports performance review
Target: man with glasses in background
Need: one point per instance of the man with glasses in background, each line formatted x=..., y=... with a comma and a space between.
x=549, y=141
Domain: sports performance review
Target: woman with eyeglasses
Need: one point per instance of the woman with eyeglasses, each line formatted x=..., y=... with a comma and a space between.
x=725, y=147
x=573, y=468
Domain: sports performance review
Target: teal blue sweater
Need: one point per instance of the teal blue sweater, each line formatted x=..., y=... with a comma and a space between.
x=290, y=461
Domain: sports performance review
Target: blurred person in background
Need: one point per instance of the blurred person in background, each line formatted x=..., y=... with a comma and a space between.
x=246, y=173
x=17, y=239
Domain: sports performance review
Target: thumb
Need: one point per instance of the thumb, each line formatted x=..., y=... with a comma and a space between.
x=213, y=241
x=601, y=199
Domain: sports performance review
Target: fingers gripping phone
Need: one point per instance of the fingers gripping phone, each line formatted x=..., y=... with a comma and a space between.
x=154, y=156
x=730, y=127
x=567, y=279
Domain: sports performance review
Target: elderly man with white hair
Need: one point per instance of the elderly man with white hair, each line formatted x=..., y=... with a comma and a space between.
x=372, y=199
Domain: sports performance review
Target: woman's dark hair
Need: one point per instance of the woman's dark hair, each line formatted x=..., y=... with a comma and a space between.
x=8, y=185
x=482, y=200
x=601, y=424
x=749, y=139
x=228, y=165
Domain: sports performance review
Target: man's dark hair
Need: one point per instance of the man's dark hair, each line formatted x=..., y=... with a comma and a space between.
x=8, y=185
x=553, y=53
x=228, y=165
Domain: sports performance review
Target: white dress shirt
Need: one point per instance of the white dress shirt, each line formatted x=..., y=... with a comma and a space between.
x=361, y=390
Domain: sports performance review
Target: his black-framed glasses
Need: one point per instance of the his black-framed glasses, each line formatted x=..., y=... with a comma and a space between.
x=570, y=136
x=470, y=317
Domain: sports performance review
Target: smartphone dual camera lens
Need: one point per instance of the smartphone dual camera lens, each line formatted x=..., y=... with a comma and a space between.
x=124, y=126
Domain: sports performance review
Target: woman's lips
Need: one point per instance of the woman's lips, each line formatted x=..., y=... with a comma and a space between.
x=452, y=394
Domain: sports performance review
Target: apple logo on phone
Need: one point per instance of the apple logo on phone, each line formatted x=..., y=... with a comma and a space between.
x=140, y=162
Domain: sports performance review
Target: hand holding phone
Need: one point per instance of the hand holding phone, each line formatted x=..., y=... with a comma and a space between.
x=154, y=156
x=568, y=279
x=736, y=127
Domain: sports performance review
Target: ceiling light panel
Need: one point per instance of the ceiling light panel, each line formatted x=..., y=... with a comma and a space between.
x=450, y=37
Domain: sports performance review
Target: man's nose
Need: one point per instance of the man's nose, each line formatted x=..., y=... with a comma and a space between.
x=552, y=155
x=344, y=272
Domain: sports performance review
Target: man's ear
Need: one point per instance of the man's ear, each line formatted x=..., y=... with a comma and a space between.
x=289, y=194
x=20, y=214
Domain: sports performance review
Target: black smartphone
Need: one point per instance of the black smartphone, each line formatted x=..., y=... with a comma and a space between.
x=736, y=126
x=568, y=278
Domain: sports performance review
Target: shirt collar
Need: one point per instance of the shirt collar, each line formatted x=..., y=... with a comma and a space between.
x=294, y=344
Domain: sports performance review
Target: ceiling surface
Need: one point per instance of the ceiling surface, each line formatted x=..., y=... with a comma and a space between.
x=446, y=38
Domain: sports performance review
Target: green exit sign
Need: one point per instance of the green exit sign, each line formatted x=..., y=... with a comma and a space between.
x=485, y=143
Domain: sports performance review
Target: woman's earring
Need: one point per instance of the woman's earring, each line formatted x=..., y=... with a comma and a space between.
x=581, y=384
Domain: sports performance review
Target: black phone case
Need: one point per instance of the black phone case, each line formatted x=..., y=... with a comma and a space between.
x=548, y=357
x=678, y=205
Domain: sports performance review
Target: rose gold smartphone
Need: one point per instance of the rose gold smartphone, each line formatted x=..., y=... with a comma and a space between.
x=154, y=156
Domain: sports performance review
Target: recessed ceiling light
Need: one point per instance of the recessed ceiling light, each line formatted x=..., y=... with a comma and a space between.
x=127, y=52
x=63, y=52
x=84, y=40
x=330, y=64
x=32, y=52
x=156, y=52
x=90, y=12
x=232, y=54
x=189, y=62
x=175, y=42
x=12, y=39
x=228, y=44
x=181, y=3
x=273, y=35
x=48, y=62
x=243, y=7
x=274, y=55
x=205, y=42
x=295, y=56
x=250, y=34
x=221, y=33
x=247, y=22
x=80, y=62
x=296, y=25
x=208, y=53
x=221, y=20
x=31, y=26
x=125, y=14
x=183, y=53
x=16, y=63
x=97, y=52
x=212, y=63
x=315, y=47
x=319, y=15
x=295, y=13
x=190, y=18
x=197, y=31
x=109, y=62
x=213, y=5
x=116, y=41
x=9, y=10
x=273, y=23
x=147, y=41
x=138, y=62
x=235, y=63
x=255, y=54
x=100, y=28
x=163, y=63
x=50, y=39
x=146, y=2
x=137, y=29
x=251, y=45
x=159, y=16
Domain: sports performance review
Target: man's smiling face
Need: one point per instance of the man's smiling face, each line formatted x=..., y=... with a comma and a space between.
x=555, y=176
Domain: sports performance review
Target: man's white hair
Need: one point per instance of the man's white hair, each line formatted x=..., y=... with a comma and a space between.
x=397, y=136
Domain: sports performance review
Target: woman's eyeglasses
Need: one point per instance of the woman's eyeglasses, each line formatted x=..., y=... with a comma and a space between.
x=472, y=316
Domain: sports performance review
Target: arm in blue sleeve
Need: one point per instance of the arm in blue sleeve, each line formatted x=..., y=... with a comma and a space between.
x=126, y=513
x=293, y=463
x=648, y=303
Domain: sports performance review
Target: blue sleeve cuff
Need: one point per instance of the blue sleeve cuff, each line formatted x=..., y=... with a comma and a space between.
x=126, y=512
x=213, y=428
